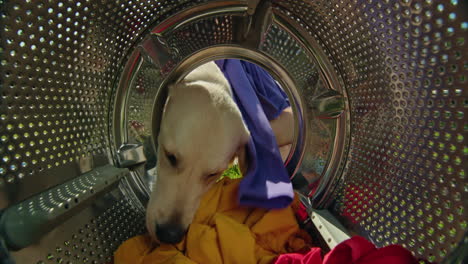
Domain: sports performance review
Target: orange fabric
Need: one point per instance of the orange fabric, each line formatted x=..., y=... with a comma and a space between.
x=223, y=232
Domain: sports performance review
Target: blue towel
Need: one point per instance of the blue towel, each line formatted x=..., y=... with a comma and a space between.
x=260, y=99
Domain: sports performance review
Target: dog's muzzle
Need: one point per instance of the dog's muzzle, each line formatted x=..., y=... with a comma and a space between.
x=169, y=233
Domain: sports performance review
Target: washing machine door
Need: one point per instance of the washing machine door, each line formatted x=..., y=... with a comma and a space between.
x=378, y=91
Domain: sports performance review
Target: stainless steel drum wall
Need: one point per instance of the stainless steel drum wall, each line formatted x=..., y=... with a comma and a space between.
x=403, y=65
x=59, y=62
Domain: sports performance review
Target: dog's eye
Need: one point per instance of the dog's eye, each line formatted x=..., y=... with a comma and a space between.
x=211, y=175
x=172, y=159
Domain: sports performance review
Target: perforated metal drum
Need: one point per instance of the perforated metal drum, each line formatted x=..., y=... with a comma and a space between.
x=378, y=89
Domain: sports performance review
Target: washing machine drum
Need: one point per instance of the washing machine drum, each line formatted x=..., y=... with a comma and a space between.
x=377, y=87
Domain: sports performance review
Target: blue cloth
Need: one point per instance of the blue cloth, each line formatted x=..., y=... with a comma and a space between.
x=260, y=99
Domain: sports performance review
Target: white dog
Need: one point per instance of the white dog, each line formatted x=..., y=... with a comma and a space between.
x=201, y=133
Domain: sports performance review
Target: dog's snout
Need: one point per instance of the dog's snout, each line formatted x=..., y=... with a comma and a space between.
x=169, y=233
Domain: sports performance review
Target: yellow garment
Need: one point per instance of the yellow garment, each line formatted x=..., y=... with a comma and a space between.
x=223, y=232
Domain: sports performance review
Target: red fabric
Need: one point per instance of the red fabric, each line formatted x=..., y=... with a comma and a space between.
x=301, y=212
x=355, y=250
x=313, y=256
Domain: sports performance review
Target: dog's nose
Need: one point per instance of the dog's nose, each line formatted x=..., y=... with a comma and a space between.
x=169, y=233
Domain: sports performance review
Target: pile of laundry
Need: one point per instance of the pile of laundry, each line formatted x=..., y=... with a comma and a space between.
x=224, y=232
x=253, y=219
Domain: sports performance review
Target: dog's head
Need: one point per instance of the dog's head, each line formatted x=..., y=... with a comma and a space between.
x=201, y=132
